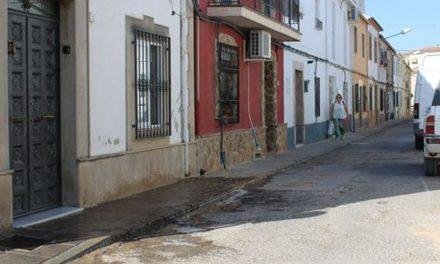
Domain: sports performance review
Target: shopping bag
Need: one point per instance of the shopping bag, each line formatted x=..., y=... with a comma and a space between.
x=331, y=128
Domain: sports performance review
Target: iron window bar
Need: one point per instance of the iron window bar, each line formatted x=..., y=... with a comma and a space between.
x=228, y=99
x=153, y=85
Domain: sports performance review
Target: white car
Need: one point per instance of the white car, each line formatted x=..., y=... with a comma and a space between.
x=432, y=137
x=427, y=80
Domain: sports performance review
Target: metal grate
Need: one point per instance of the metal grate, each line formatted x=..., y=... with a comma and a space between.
x=284, y=11
x=228, y=83
x=153, y=84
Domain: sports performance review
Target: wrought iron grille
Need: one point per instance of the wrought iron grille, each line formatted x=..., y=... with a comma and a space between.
x=228, y=83
x=382, y=104
x=357, y=98
x=285, y=11
x=153, y=84
x=364, y=99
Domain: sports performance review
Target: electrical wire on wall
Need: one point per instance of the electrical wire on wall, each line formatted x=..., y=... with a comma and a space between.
x=335, y=65
x=214, y=20
x=218, y=22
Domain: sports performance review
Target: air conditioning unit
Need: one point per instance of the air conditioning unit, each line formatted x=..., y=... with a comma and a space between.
x=260, y=44
x=353, y=14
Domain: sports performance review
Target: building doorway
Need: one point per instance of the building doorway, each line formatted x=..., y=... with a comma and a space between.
x=299, y=108
x=34, y=116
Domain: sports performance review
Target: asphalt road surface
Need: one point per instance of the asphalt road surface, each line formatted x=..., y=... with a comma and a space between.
x=369, y=201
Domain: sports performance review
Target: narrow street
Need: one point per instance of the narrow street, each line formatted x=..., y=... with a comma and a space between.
x=366, y=202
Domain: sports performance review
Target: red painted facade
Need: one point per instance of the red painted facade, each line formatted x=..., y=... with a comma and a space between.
x=280, y=91
x=250, y=80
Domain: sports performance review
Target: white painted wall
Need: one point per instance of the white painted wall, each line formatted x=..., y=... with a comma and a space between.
x=360, y=5
x=339, y=42
x=107, y=46
x=321, y=43
x=373, y=67
x=398, y=72
x=382, y=75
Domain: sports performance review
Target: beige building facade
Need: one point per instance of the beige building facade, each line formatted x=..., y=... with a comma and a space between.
x=360, y=77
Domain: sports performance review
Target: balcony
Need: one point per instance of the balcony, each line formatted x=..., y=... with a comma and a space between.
x=279, y=17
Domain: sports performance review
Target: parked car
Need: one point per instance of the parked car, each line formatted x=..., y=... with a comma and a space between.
x=432, y=136
x=427, y=80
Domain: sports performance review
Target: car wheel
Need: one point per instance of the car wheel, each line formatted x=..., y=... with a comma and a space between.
x=418, y=142
x=431, y=167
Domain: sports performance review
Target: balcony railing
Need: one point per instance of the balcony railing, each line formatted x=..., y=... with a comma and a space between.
x=283, y=11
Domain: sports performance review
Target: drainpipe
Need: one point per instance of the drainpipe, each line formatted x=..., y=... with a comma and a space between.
x=184, y=84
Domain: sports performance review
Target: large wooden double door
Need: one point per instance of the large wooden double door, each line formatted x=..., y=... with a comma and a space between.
x=34, y=111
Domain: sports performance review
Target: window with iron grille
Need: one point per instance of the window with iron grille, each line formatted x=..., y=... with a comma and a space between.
x=291, y=11
x=357, y=98
x=268, y=7
x=228, y=67
x=396, y=99
x=153, y=83
x=364, y=98
x=371, y=97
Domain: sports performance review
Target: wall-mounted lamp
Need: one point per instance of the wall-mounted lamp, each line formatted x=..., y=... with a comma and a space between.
x=403, y=32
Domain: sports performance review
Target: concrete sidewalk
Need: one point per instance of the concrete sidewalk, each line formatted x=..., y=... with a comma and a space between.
x=65, y=239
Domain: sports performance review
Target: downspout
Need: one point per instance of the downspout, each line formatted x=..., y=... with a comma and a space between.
x=196, y=68
x=184, y=84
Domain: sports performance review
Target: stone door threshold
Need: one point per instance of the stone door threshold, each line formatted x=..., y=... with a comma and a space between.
x=45, y=216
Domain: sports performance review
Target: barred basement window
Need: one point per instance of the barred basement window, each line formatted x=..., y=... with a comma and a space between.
x=153, y=83
x=228, y=101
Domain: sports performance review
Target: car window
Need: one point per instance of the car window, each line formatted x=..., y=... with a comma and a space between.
x=436, y=100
